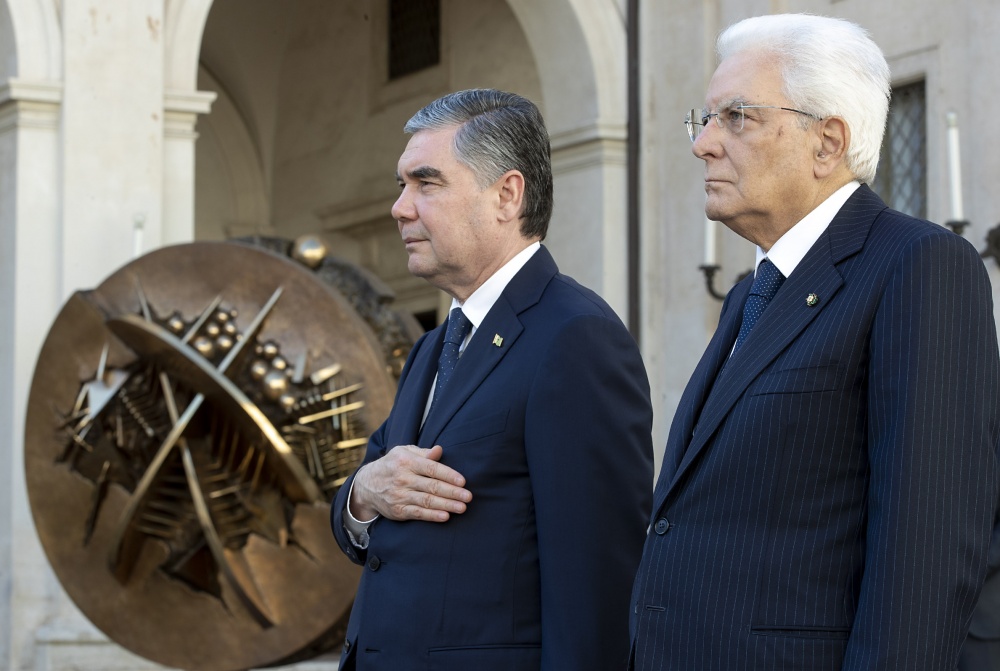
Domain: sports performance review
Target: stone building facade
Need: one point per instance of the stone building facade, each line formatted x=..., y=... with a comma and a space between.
x=126, y=125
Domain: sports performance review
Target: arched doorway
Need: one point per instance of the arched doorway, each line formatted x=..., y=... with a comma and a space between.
x=322, y=121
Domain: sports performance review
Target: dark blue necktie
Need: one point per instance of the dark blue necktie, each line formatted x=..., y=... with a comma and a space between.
x=458, y=327
x=765, y=284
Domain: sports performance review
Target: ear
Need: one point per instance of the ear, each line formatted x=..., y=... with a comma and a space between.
x=510, y=196
x=832, y=141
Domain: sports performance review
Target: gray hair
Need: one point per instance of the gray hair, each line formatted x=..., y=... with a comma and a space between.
x=498, y=132
x=830, y=67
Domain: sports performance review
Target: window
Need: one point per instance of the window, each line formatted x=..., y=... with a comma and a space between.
x=414, y=36
x=902, y=169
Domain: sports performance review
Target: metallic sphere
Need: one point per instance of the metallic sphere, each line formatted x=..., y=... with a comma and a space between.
x=204, y=346
x=309, y=250
x=224, y=343
x=275, y=385
x=258, y=369
x=176, y=322
x=269, y=349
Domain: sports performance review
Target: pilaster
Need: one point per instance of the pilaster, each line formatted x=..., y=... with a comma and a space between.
x=30, y=112
x=589, y=175
x=180, y=117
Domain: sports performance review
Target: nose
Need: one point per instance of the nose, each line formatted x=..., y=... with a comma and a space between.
x=708, y=141
x=403, y=208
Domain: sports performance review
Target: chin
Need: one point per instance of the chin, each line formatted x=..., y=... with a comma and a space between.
x=714, y=213
x=716, y=209
x=419, y=267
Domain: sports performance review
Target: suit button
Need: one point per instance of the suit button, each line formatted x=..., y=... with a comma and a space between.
x=374, y=563
x=662, y=526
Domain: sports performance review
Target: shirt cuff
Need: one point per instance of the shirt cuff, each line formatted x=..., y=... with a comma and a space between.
x=356, y=530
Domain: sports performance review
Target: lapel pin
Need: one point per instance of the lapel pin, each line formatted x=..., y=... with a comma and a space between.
x=497, y=340
x=812, y=300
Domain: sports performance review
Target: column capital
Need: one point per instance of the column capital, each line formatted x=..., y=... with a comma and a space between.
x=30, y=90
x=192, y=102
x=594, y=145
x=27, y=102
x=181, y=110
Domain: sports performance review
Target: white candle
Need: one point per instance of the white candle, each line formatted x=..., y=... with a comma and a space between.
x=954, y=168
x=709, y=242
x=137, y=224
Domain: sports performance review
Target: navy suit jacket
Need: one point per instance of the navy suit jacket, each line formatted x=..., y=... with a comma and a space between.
x=826, y=500
x=548, y=417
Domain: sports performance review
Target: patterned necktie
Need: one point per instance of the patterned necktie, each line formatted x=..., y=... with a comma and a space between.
x=458, y=327
x=765, y=284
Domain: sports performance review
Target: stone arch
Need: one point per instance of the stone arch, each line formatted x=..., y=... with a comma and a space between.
x=34, y=39
x=227, y=144
x=580, y=52
x=8, y=53
x=184, y=23
x=582, y=41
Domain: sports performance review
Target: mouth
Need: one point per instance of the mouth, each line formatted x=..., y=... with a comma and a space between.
x=411, y=242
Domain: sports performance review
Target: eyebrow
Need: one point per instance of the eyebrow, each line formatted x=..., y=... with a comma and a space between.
x=423, y=172
x=732, y=102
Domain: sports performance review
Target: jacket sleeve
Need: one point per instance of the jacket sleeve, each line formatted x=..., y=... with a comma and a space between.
x=589, y=448
x=376, y=448
x=354, y=553
x=933, y=435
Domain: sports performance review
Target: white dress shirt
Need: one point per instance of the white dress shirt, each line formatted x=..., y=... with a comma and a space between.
x=791, y=248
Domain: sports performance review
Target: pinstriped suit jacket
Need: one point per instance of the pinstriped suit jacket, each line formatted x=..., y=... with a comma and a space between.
x=826, y=500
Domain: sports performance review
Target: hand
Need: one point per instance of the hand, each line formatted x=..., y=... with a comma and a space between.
x=409, y=483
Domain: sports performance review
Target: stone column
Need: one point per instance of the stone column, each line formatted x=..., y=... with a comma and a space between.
x=30, y=296
x=588, y=232
x=82, y=160
x=181, y=110
x=113, y=134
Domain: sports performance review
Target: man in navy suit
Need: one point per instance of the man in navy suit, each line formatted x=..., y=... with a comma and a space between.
x=501, y=508
x=830, y=479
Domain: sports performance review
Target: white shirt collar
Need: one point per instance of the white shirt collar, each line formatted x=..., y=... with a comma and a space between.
x=482, y=299
x=791, y=248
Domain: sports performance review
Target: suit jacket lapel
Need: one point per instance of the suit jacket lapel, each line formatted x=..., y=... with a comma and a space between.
x=482, y=355
x=703, y=378
x=786, y=317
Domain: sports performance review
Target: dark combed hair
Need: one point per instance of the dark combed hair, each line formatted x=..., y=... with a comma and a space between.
x=498, y=132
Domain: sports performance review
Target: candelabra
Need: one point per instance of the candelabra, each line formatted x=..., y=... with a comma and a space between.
x=992, y=250
x=957, y=225
x=710, y=271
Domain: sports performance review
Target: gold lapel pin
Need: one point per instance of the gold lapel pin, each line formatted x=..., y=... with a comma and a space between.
x=497, y=340
x=812, y=300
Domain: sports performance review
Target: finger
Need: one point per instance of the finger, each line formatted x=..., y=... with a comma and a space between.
x=416, y=501
x=415, y=513
x=430, y=508
x=428, y=465
x=445, y=490
x=407, y=488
